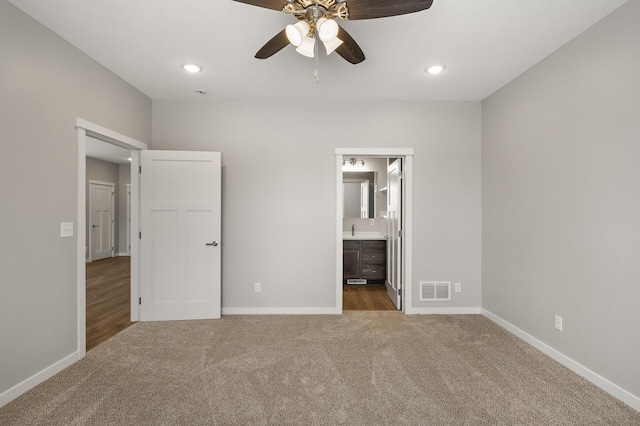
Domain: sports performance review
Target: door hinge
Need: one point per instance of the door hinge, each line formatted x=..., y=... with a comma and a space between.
x=140, y=169
x=399, y=292
x=140, y=235
x=401, y=175
x=401, y=233
x=139, y=300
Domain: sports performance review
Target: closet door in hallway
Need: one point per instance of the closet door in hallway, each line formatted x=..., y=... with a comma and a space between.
x=101, y=219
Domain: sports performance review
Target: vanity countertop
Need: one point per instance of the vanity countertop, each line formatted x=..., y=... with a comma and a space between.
x=363, y=236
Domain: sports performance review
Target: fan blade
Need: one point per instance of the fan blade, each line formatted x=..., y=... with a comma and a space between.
x=349, y=49
x=267, y=4
x=369, y=9
x=273, y=46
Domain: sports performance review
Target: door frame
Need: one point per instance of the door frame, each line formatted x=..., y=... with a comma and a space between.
x=128, y=195
x=112, y=205
x=407, y=211
x=85, y=128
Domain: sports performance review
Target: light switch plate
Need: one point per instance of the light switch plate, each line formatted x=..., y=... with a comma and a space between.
x=66, y=230
x=558, y=322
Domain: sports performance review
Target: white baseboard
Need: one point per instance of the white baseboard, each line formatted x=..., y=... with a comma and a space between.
x=335, y=311
x=444, y=311
x=604, y=384
x=280, y=311
x=37, y=378
x=123, y=254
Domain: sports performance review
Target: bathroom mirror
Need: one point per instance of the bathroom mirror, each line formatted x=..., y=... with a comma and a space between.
x=359, y=195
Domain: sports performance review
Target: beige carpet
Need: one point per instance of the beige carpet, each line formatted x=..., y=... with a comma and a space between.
x=361, y=368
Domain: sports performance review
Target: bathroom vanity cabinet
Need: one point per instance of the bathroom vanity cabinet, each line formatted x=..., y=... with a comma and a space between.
x=364, y=261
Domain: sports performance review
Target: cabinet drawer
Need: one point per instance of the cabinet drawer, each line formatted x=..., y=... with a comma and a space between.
x=378, y=245
x=369, y=256
x=373, y=272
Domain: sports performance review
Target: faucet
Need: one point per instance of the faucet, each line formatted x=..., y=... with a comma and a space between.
x=353, y=230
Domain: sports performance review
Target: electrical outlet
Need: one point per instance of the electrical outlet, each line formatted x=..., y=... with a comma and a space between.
x=66, y=230
x=258, y=287
x=457, y=287
x=558, y=323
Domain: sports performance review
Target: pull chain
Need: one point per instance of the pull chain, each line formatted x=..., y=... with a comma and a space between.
x=315, y=45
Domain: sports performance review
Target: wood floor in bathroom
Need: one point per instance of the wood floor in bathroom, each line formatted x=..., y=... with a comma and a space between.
x=366, y=298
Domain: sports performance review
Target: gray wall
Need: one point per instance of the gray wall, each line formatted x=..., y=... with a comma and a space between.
x=45, y=83
x=279, y=190
x=561, y=199
x=104, y=171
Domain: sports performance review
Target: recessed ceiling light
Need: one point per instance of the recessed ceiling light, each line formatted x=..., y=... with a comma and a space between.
x=191, y=68
x=435, y=69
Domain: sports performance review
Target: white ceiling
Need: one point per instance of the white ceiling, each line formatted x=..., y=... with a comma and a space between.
x=483, y=43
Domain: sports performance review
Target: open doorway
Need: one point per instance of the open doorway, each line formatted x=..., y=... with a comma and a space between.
x=85, y=130
x=373, y=240
x=108, y=268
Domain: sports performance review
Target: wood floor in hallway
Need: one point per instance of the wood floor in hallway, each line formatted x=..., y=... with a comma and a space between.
x=108, y=298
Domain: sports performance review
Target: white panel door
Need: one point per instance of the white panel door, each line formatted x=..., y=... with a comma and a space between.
x=394, y=232
x=101, y=221
x=180, y=211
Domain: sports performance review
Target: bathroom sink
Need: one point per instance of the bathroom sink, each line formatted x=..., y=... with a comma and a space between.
x=363, y=235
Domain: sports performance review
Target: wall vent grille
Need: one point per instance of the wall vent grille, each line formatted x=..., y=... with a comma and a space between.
x=435, y=291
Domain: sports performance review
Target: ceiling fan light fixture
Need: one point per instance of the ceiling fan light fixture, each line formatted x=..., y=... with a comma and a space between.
x=307, y=47
x=332, y=45
x=296, y=33
x=327, y=29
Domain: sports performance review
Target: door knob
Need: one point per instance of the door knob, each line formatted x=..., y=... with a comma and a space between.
x=214, y=243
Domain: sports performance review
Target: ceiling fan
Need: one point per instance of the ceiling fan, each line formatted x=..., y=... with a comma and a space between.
x=317, y=20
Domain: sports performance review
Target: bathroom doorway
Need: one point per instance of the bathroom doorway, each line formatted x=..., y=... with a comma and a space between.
x=373, y=254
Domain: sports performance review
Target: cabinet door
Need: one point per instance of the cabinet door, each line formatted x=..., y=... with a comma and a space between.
x=350, y=264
